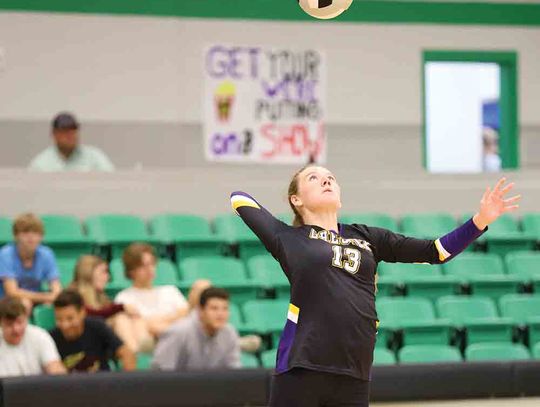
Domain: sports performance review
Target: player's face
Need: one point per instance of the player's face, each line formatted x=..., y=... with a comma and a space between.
x=28, y=241
x=70, y=321
x=100, y=277
x=13, y=330
x=66, y=140
x=318, y=190
x=215, y=314
x=145, y=274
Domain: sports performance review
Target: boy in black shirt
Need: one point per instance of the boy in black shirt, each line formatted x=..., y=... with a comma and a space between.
x=326, y=349
x=86, y=344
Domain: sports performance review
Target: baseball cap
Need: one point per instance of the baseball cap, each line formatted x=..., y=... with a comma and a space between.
x=65, y=121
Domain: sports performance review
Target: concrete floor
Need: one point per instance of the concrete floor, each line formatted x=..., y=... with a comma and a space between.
x=500, y=402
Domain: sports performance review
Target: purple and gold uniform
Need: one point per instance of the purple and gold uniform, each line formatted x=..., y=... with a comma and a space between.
x=332, y=322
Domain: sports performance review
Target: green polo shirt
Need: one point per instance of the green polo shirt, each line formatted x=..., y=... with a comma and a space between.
x=84, y=158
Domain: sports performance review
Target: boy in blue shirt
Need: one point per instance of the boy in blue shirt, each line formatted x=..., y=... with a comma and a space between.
x=26, y=264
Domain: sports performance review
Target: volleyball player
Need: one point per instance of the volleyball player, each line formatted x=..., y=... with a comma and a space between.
x=325, y=352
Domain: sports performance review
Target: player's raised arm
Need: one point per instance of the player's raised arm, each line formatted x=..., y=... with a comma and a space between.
x=393, y=247
x=259, y=220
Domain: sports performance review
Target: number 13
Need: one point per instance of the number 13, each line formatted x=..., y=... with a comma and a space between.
x=348, y=258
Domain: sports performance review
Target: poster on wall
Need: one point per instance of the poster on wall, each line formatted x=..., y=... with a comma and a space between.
x=264, y=105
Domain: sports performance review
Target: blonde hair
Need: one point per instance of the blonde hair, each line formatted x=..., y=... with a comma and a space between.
x=82, y=281
x=28, y=222
x=293, y=190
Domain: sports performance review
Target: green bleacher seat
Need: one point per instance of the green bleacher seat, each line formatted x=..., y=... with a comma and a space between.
x=144, y=361
x=266, y=272
x=236, y=320
x=43, y=316
x=64, y=234
x=249, y=361
x=415, y=317
x=484, y=273
x=531, y=225
x=118, y=280
x=190, y=235
x=427, y=225
x=166, y=273
x=419, y=280
x=523, y=309
x=266, y=317
x=496, y=352
x=268, y=358
x=66, y=267
x=379, y=220
x=6, y=231
x=526, y=266
x=478, y=315
x=117, y=231
x=286, y=218
x=225, y=272
x=382, y=357
x=536, y=350
x=505, y=236
x=235, y=231
x=429, y=354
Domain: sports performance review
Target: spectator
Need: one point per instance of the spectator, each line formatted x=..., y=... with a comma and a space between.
x=159, y=306
x=24, y=349
x=91, y=277
x=86, y=344
x=67, y=154
x=26, y=264
x=203, y=341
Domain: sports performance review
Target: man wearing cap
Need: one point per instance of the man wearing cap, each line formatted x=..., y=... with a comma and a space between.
x=67, y=154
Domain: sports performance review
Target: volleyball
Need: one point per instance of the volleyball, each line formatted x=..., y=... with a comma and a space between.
x=324, y=9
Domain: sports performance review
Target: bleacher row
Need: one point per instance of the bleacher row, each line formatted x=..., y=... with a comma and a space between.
x=229, y=254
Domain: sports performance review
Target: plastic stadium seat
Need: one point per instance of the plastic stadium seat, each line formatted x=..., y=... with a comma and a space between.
x=235, y=231
x=383, y=357
x=266, y=317
x=415, y=317
x=419, y=280
x=484, y=273
x=379, y=220
x=268, y=358
x=523, y=309
x=6, y=232
x=536, y=351
x=249, y=361
x=64, y=234
x=66, y=267
x=504, y=236
x=118, y=231
x=191, y=235
x=496, y=351
x=118, y=279
x=225, y=272
x=429, y=354
x=427, y=225
x=478, y=315
x=531, y=224
x=166, y=273
x=286, y=218
x=266, y=272
x=526, y=266
x=236, y=319
x=43, y=316
x=144, y=360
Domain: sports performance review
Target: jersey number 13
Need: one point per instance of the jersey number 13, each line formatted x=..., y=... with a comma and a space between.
x=346, y=258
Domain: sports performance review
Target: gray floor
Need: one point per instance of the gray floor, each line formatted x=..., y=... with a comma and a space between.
x=519, y=402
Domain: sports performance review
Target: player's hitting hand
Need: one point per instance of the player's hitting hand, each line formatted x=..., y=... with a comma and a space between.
x=493, y=204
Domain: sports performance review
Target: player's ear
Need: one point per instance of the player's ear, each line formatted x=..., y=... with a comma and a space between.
x=296, y=201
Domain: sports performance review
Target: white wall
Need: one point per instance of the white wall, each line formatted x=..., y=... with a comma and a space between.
x=110, y=68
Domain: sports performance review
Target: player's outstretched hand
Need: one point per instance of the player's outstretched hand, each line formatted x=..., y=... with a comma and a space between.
x=493, y=204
